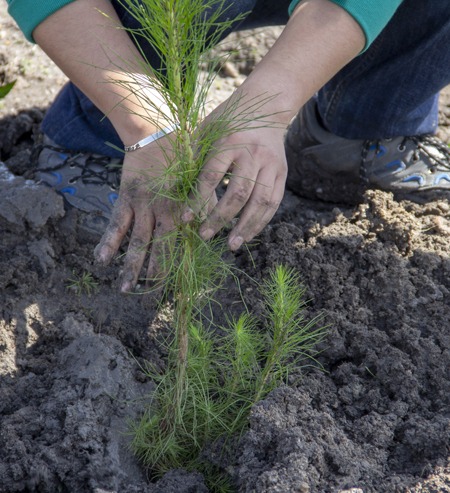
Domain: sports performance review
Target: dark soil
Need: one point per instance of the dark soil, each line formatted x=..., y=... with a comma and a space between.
x=376, y=419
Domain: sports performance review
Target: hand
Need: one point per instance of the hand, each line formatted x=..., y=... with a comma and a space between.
x=255, y=160
x=142, y=209
x=295, y=68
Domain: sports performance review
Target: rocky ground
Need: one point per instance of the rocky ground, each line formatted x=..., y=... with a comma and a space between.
x=375, y=420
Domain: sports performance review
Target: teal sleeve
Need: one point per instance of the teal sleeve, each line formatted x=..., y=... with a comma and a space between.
x=30, y=13
x=371, y=15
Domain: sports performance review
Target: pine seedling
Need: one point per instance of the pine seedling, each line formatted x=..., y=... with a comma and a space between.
x=182, y=33
x=225, y=376
x=291, y=337
x=213, y=375
x=82, y=283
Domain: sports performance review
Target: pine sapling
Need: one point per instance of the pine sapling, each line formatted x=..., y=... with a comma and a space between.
x=214, y=375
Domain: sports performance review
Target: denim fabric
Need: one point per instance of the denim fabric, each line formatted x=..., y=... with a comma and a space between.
x=390, y=90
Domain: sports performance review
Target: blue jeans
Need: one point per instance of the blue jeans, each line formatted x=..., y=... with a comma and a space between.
x=390, y=90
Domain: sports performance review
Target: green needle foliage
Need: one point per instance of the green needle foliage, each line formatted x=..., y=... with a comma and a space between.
x=82, y=283
x=225, y=376
x=292, y=338
x=214, y=375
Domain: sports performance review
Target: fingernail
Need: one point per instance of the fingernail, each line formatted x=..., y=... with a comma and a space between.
x=126, y=287
x=188, y=216
x=101, y=254
x=236, y=242
x=207, y=234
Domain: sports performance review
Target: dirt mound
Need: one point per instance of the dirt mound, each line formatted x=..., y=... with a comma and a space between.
x=377, y=419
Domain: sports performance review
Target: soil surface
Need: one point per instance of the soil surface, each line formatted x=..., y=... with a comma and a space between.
x=377, y=419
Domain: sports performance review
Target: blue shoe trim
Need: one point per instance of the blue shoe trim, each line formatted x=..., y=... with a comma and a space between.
x=58, y=177
x=417, y=178
x=69, y=190
x=395, y=166
x=440, y=177
x=112, y=197
x=380, y=150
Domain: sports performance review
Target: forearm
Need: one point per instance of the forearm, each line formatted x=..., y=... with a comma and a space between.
x=319, y=39
x=371, y=15
x=95, y=55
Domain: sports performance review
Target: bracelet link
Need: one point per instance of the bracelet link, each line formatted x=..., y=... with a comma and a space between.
x=151, y=138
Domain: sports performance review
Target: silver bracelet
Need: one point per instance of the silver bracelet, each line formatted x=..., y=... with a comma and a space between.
x=151, y=138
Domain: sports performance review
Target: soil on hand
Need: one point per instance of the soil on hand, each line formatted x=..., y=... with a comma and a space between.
x=374, y=419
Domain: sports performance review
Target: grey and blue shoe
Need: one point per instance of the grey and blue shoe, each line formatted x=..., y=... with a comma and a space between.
x=88, y=182
x=324, y=166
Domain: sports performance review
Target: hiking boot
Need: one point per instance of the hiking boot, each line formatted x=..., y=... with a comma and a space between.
x=323, y=166
x=89, y=182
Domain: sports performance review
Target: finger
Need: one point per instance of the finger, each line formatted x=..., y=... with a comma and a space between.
x=208, y=180
x=258, y=212
x=137, y=249
x=161, y=254
x=119, y=224
x=212, y=202
x=239, y=190
x=189, y=215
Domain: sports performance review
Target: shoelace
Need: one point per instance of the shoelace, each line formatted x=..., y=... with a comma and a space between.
x=424, y=143
x=436, y=150
x=108, y=175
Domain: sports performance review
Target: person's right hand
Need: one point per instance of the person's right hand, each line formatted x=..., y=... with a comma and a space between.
x=145, y=212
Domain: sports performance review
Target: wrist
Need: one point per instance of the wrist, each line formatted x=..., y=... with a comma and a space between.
x=275, y=108
x=139, y=113
x=318, y=41
x=132, y=130
x=150, y=138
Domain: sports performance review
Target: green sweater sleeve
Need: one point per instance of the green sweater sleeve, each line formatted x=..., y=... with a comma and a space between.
x=29, y=13
x=371, y=15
